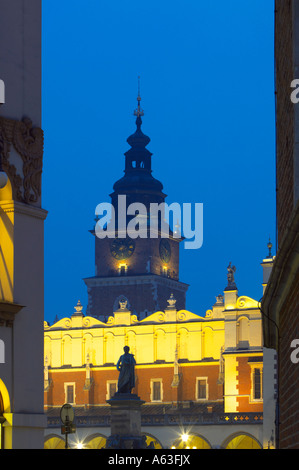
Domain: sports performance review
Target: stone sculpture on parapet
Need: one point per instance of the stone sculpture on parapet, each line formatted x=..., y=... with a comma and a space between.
x=231, y=285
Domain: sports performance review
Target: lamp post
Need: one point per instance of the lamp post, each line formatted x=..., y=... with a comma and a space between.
x=67, y=416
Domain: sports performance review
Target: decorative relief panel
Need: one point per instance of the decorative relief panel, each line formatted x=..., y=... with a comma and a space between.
x=28, y=141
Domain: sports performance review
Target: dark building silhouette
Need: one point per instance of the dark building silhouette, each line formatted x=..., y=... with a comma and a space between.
x=280, y=304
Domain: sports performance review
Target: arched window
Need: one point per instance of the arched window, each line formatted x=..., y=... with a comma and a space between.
x=243, y=333
x=159, y=345
x=67, y=350
x=109, y=348
x=131, y=342
x=47, y=349
x=183, y=343
x=88, y=348
x=207, y=343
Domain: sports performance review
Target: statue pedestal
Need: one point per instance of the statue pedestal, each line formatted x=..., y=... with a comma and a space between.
x=125, y=422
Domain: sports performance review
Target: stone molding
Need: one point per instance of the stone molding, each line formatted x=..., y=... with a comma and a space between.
x=8, y=311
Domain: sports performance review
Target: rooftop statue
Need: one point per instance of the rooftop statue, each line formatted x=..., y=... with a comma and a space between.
x=230, y=276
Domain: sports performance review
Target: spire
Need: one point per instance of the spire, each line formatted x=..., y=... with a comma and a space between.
x=138, y=112
x=138, y=183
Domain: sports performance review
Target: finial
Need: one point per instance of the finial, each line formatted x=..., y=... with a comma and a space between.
x=171, y=302
x=269, y=247
x=138, y=112
x=78, y=308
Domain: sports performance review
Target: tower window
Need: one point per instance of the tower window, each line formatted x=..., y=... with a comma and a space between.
x=165, y=271
x=122, y=269
x=134, y=164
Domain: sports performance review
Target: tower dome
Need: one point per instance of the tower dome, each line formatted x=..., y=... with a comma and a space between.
x=138, y=184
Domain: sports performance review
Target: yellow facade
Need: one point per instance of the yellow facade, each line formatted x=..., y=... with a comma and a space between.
x=167, y=338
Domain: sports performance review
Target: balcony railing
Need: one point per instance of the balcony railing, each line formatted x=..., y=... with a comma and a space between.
x=171, y=419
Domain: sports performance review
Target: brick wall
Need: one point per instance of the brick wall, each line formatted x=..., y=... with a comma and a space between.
x=285, y=114
x=186, y=392
x=145, y=258
x=289, y=372
x=244, y=387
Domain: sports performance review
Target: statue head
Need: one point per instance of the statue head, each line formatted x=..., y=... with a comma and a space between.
x=126, y=349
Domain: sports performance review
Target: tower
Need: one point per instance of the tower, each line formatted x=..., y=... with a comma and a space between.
x=143, y=271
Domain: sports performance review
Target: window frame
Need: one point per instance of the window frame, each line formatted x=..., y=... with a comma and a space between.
x=160, y=381
x=73, y=385
x=198, y=379
x=258, y=366
x=108, y=383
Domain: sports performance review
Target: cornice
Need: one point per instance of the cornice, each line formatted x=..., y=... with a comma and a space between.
x=21, y=208
x=8, y=311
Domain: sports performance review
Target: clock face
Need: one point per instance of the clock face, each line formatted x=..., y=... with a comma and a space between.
x=122, y=248
x=165, y=250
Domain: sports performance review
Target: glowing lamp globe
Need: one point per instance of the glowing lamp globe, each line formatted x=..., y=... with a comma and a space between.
x=3, y=179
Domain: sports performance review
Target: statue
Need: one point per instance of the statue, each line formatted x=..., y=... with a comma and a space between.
x=230, y=276
x=126, y=367
x=123, y=304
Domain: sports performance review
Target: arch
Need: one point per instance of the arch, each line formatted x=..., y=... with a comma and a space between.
x=109, y=348
x=191, y=441
x=6, y=193
x=95, y=441
x=131, y=341
x=152, y=441
x=207, y=342
x=5, y=400
x=183, y=334
x=5, y=433
x=87, y=348
x=47, y=349
x=241, y=441
x=243, y=332
x=54, y=442
x=159, y=345
x=67, y=350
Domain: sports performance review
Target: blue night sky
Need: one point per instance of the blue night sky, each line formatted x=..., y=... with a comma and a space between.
x=207, y=88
